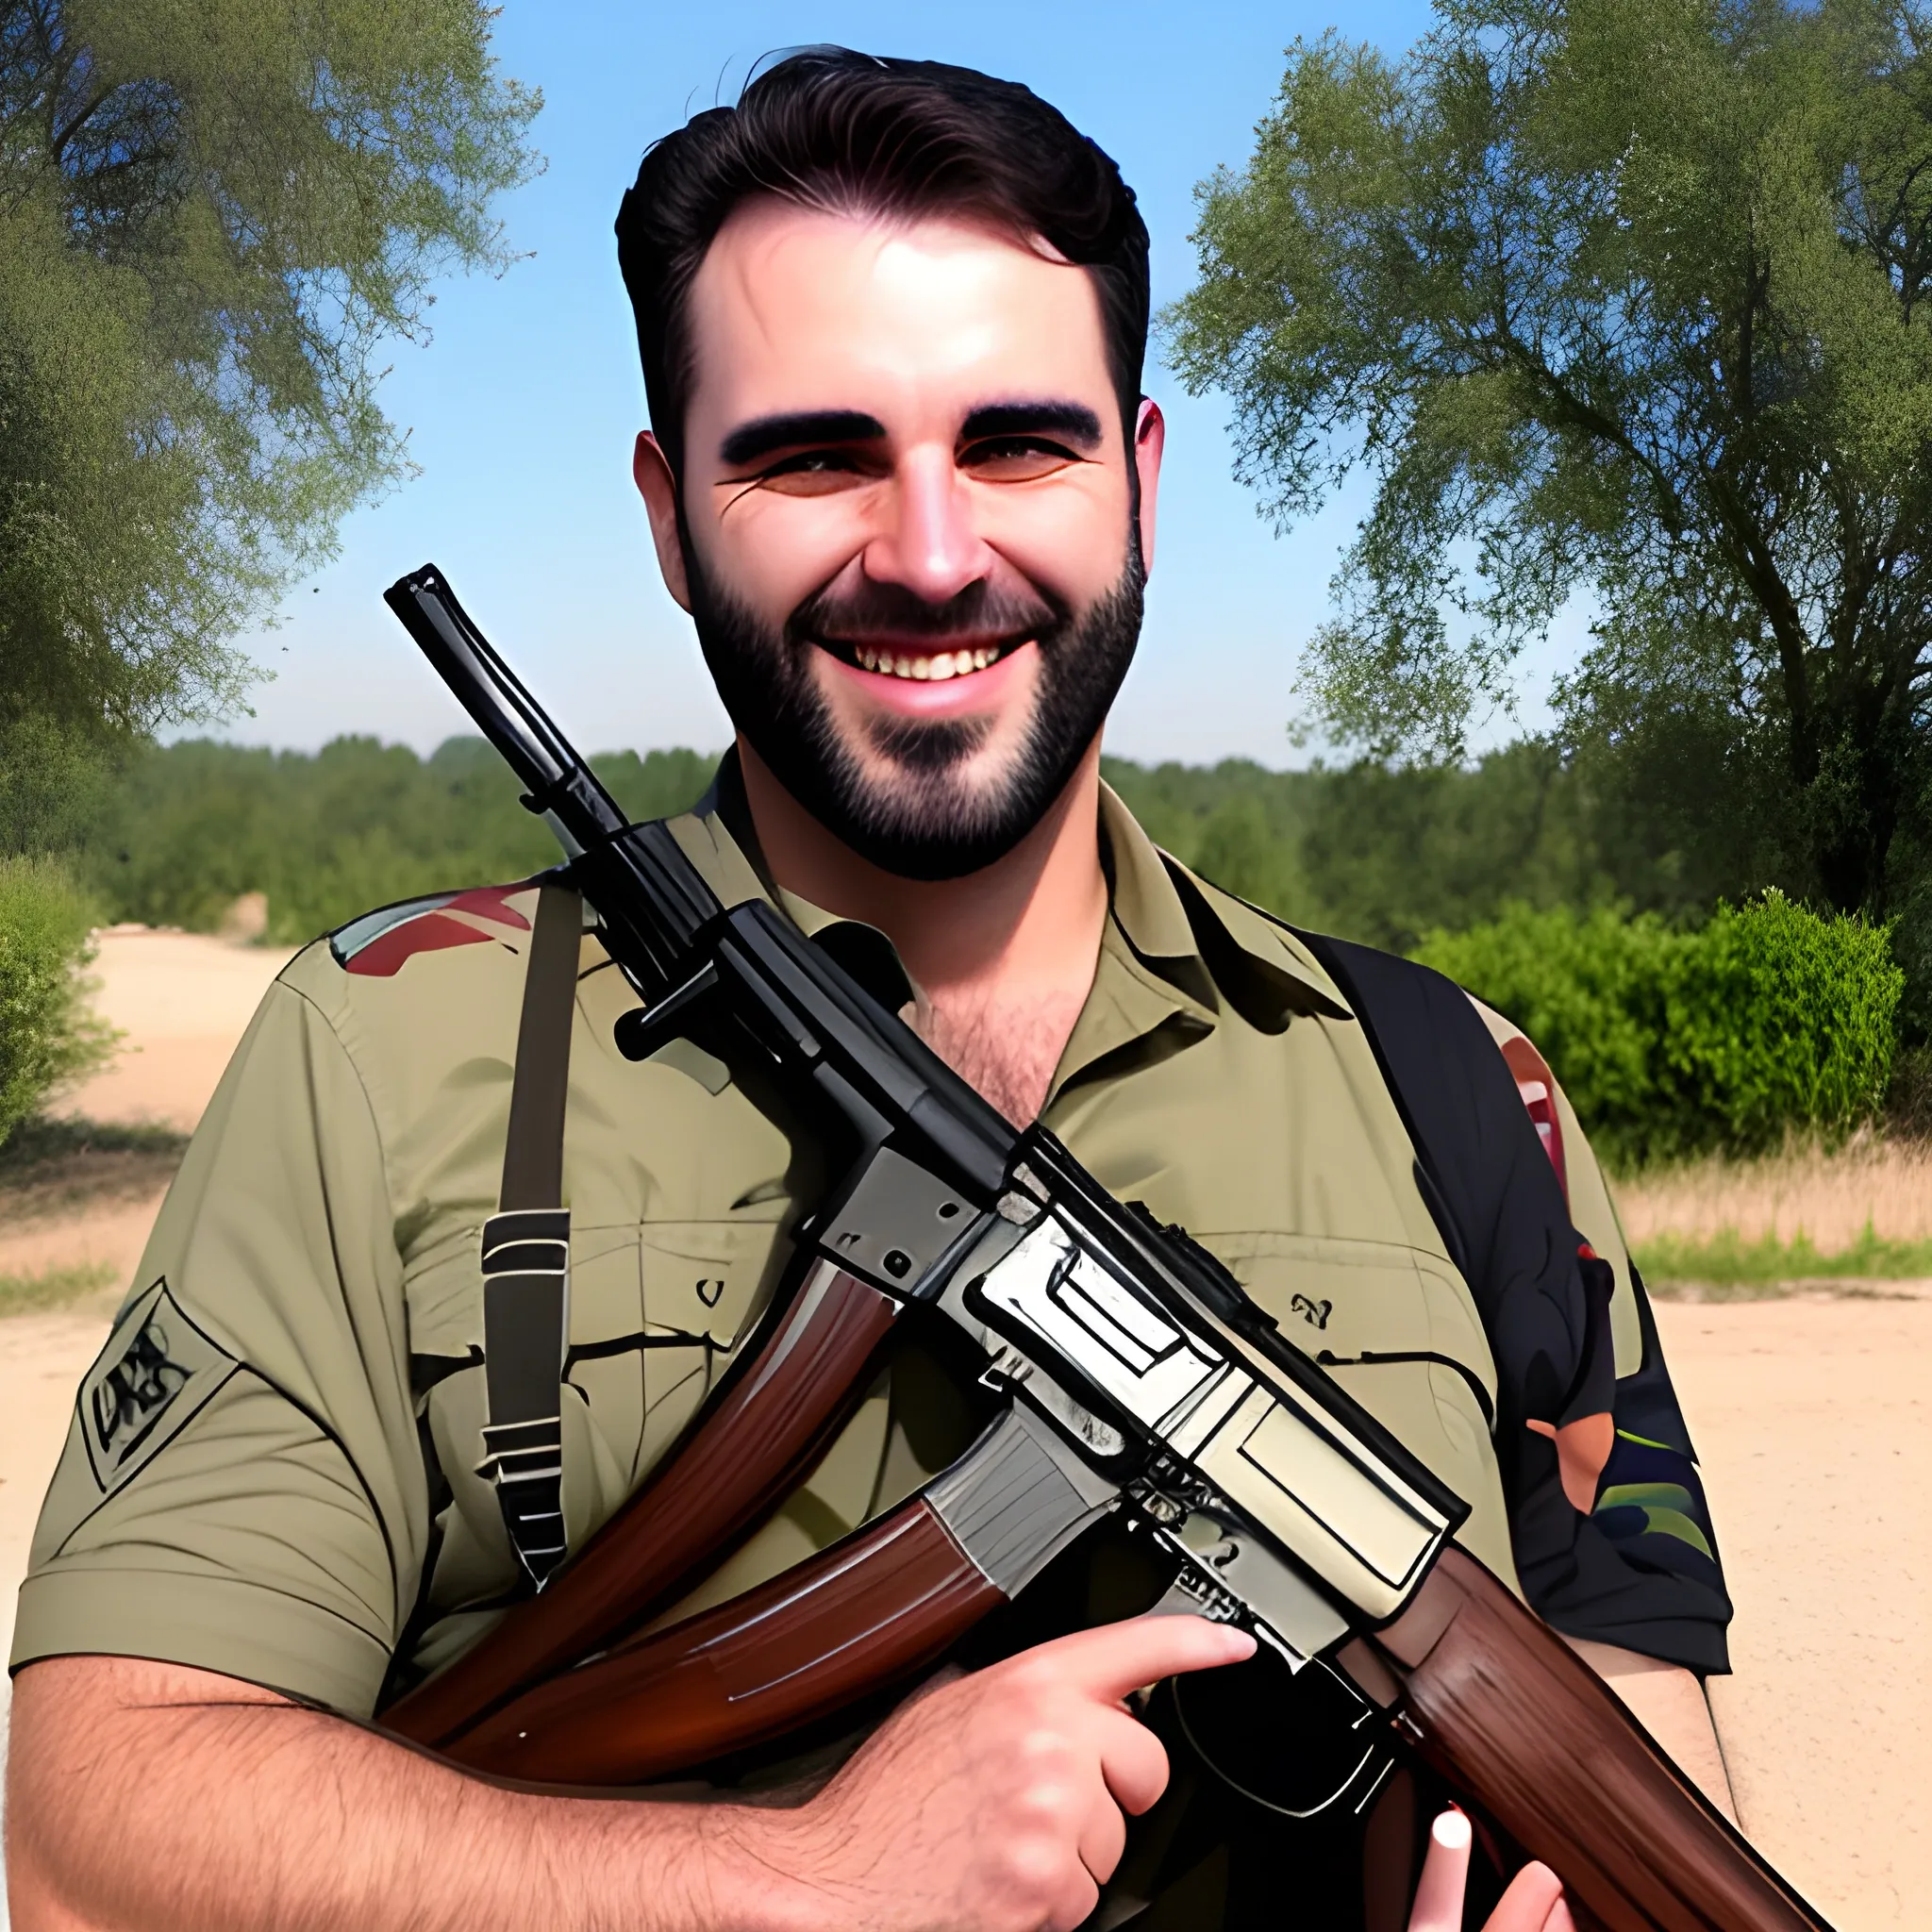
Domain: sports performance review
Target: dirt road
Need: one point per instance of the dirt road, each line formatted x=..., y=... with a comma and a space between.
x=181, y=999
x=1810, y=1415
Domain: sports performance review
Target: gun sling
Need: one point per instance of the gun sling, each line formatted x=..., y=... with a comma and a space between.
x=790, y=1392
x=526, y=1254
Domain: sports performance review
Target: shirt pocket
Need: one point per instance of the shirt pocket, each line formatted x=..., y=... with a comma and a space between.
x=657, y=1311
x=1396, y=1329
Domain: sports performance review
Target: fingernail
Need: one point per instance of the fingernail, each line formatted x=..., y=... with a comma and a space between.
x=1452, y=1830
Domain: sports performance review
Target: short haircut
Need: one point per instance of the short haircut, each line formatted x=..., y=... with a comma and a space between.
x=852, y=133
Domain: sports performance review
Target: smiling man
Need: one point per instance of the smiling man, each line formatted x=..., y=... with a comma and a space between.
x=892, y=319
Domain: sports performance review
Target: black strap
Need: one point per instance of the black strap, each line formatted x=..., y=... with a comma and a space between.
x=526, y=1254
x=1545, y=1308
x=1486, y=1179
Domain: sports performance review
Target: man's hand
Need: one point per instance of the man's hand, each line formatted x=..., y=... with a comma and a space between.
x=998, y=1802
x=1534, y=1902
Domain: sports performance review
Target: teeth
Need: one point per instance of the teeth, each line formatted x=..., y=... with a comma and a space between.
x=924, y=670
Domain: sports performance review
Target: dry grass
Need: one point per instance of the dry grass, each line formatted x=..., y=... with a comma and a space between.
x=56, y=1288
x=1870, y=1189
x=55, y=1169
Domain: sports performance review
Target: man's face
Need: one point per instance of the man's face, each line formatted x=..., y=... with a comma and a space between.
x=909, y=523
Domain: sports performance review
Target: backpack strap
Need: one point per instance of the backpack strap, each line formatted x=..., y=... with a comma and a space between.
x=1488, y=1181
x=526, y=1253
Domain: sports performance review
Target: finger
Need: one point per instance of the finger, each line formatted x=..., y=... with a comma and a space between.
x=1103, y=1839
x=1074, y=1906
x=1109, y=1661
x=1445, y=1875
x=1534, y=1903
x=1133, y=1761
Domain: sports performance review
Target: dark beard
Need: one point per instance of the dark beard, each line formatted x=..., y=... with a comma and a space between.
x=924, y=823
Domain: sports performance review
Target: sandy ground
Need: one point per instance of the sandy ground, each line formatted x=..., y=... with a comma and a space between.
x=1812, y=1417
x=181, y=1000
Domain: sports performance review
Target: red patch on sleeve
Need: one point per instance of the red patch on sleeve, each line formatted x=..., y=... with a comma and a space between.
x=492, y=902
x=398, y=934
x=428, y=932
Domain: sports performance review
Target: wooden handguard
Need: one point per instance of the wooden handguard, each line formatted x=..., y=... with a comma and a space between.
x=1493, y=1699
x=866, y=1612
x=751, y=1445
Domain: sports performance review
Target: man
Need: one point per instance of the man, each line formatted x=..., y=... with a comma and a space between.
x=891, y=319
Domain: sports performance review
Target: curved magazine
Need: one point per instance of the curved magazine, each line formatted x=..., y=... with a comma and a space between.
x=864, y=1613
x=789, y=1397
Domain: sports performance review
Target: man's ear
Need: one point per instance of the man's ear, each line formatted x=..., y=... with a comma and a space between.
x=1150, y=440
x=651, y=471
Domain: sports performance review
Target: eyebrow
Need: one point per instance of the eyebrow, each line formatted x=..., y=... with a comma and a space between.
x=1076, y=422
x=751, y=441
x=761, y=437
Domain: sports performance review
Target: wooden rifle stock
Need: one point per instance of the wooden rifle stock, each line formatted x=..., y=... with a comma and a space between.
x=763, y=1428
x=1492, y=1698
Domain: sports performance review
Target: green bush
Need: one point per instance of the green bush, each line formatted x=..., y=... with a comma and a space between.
x=1779, y=1019
x=46, y=1033
x=1766, y=1020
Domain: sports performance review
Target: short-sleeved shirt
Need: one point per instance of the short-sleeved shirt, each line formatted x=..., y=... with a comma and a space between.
x=272, y=1468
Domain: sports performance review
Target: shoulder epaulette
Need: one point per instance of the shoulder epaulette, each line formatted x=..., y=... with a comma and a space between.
x=379, y=943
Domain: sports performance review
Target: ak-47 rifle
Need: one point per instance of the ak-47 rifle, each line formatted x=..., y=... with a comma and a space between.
x=1138, y=1378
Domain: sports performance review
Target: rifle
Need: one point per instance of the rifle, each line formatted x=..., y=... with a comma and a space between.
x=1137, y=1379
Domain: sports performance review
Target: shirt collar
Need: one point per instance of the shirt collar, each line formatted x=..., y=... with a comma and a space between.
x=1209, y=944
x=1173, y=944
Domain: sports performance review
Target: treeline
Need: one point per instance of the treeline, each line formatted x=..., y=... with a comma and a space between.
x=190, y=827
x=1682, y=1009
x=1374, y=854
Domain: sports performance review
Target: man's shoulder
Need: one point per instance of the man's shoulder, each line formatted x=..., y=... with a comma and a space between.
x=419, y=988
x=418, y=950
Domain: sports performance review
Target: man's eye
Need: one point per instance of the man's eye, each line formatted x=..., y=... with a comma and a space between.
x=1015, y=459
x=812, y=472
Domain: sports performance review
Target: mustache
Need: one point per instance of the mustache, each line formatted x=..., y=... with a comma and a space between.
x=883, y=609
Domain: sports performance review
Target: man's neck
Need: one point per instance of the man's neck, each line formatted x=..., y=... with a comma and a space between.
x=1002, y=958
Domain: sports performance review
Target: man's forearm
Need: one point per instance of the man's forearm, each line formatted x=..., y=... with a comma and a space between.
x=145, y=1795
x=1668, y=1701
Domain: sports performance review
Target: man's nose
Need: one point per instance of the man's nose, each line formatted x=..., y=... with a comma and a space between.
x=927, y=543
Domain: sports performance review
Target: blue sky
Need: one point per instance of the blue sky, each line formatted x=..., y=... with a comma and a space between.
x=523, y=408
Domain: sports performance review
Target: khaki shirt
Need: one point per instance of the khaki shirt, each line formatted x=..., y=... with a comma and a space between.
x=278, y=1445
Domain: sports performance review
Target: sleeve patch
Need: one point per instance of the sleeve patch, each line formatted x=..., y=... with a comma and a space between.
x=379, y=943
x=156, y=1373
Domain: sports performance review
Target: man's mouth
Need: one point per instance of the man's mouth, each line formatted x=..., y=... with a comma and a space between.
x=919, y=666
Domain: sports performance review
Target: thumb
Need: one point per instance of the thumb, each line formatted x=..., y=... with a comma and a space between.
x=1534, y=1903
x=1445, y=1872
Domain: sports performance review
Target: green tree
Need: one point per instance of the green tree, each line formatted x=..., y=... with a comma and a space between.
x=1625, y=297
x=1767, y=1020
x=211, y=216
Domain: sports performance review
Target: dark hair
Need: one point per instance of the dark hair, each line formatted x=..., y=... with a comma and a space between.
x=837, y=131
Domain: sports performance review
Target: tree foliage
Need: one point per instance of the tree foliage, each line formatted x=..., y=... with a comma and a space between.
x=212, y=212
x=1627, y=297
